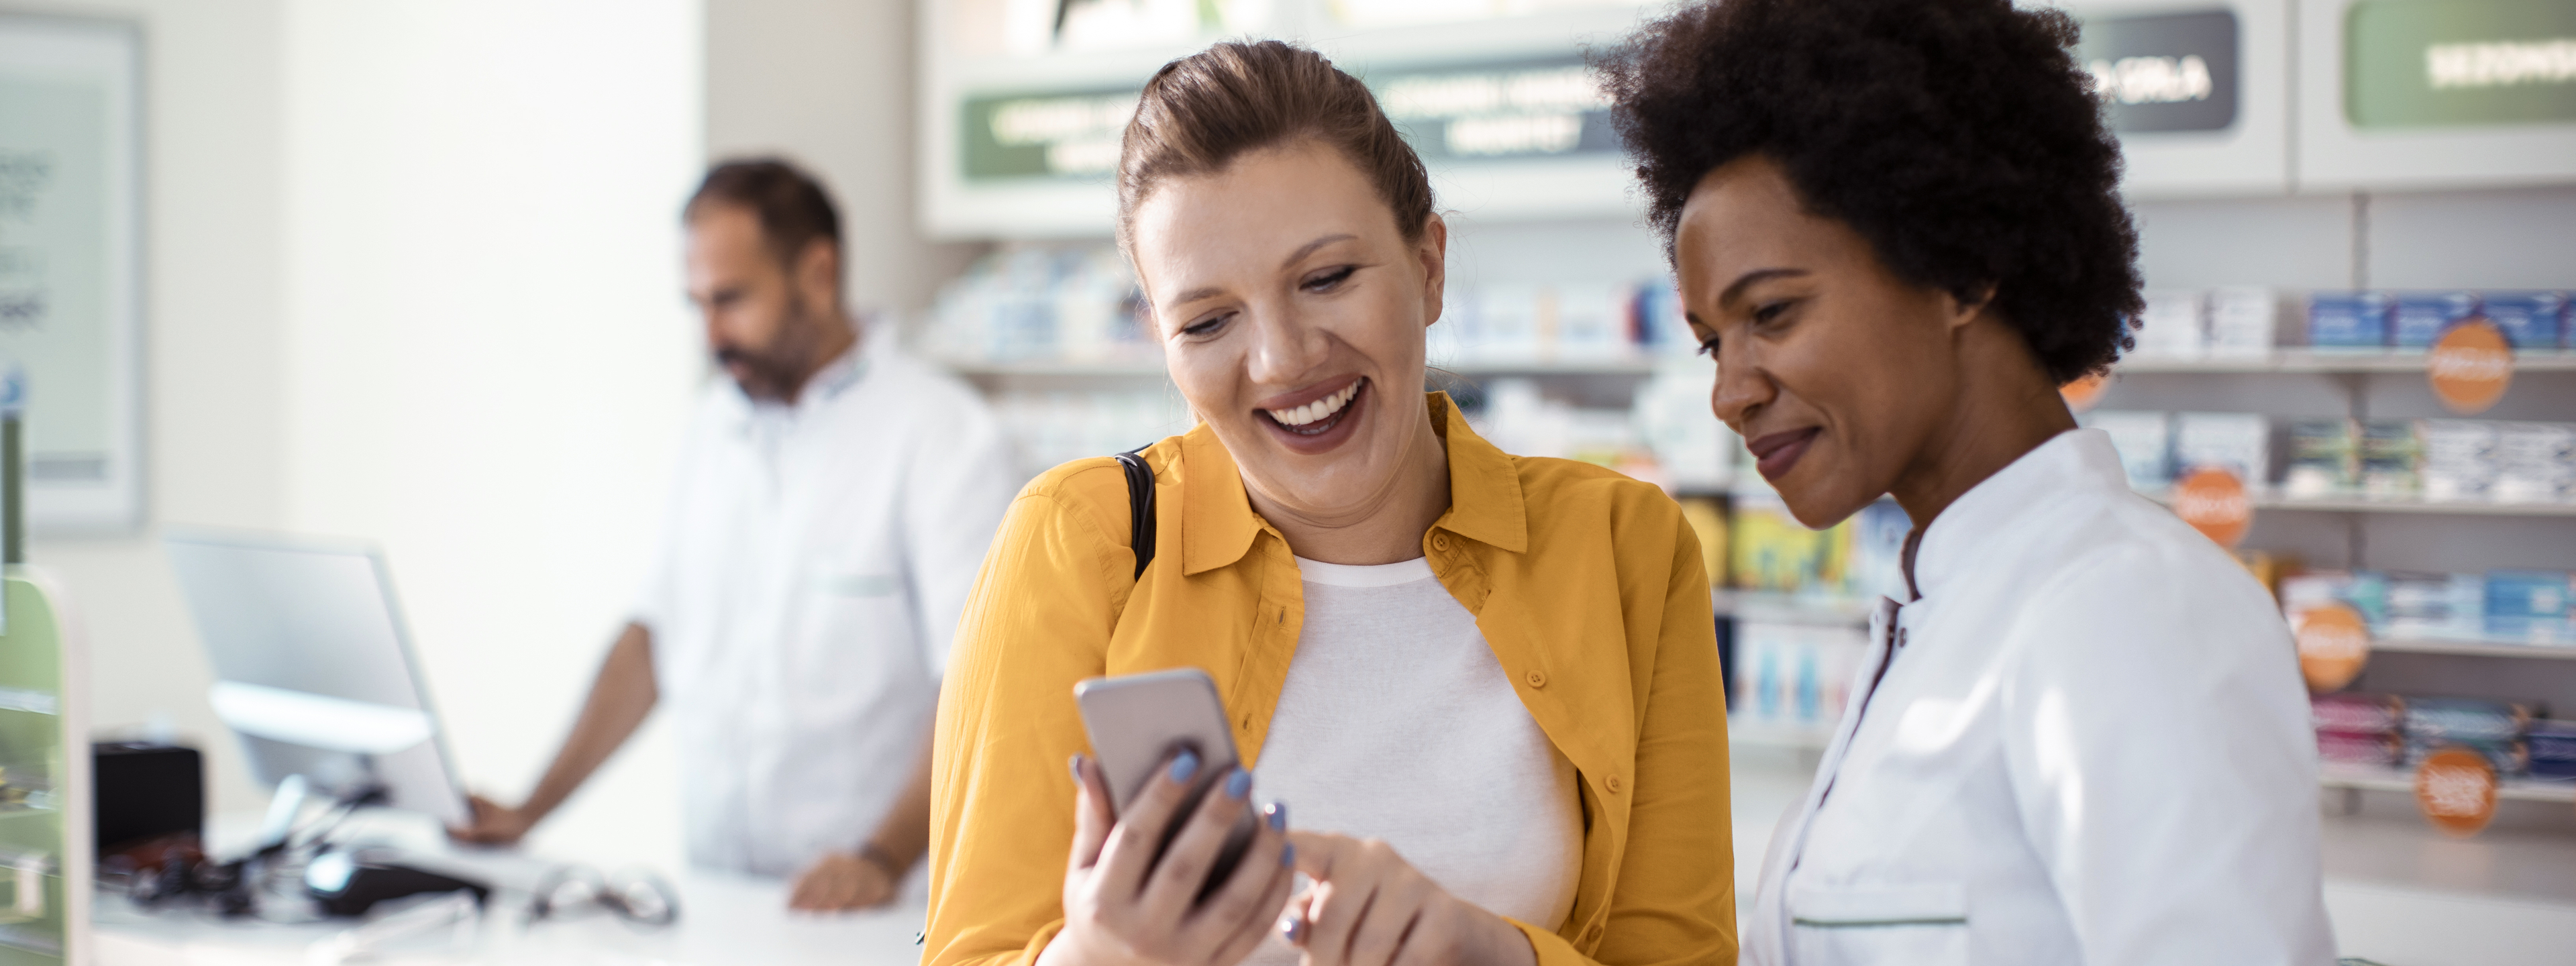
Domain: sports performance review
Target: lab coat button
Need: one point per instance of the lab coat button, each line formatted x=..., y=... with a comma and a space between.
x=1592, y=935
x=1611, y=783
x=1440, y=542
x=1537, y=680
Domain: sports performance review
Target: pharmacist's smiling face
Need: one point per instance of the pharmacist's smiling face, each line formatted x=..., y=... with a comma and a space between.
x=1834, y=370
x=1292, y=310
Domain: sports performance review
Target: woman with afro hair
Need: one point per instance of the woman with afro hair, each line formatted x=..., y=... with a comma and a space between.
x=2081, y=737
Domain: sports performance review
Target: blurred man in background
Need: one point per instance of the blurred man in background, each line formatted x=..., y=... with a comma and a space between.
x=831, y=511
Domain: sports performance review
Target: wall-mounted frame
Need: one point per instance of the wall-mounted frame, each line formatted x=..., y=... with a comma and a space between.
x=2197, y=89
x=71, y=264
x=2432, y=94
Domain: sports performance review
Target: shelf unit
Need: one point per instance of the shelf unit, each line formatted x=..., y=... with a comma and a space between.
x=2310, y=361
x=1782, y=608
x=2374, y=779
x=2270, y=500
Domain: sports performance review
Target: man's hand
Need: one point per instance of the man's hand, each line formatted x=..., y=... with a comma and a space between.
x=840, y=882
x=494, y=823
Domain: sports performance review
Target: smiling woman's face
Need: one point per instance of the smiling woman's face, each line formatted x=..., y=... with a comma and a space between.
x=1292, y=310
x=1835, y=371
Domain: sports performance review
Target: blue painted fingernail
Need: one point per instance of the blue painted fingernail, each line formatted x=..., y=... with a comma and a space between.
x=1184, y=765
x=1238, y=784
x=1075, y=763
x=1288, y=855
x=1294, y=928
x=1278, y=813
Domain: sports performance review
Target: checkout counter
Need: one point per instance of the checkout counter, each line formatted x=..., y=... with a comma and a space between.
x=724, y=920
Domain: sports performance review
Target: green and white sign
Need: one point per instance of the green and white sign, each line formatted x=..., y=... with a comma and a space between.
x=1451, y=114
x=2444, y=63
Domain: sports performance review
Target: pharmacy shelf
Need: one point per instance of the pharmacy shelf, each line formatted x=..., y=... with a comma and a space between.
x=2476, y=648
x=2273, y=500
x=1776, y=607
x=2372, y=778
x=2312, y=361
x=1801, y=737
x=1141, y=368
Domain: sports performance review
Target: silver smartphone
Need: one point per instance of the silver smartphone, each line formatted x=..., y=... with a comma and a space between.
x=1137, y=722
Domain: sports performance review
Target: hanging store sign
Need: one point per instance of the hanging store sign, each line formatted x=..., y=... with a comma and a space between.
x=2409, y=63
x=1451, y=114
x=2167, y=72
x=1069, y=135
x=1552, y=107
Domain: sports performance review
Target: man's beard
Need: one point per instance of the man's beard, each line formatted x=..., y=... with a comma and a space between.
x=775, y=372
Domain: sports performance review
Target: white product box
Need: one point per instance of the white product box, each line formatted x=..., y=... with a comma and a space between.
x=2172, y=326
x=2535, y=462
x=2242, y=321
x=2145, y=442
x=2237, y=442
x=2460, y=460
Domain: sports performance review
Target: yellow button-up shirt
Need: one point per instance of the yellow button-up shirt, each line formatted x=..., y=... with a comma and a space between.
x=1587, y=584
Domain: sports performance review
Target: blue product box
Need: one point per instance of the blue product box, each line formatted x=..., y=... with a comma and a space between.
x=2530, y=320
x=2420, y=317
x=2528, y=605
x=2348, y=320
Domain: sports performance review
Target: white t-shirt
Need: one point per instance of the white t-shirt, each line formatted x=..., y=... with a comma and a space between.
x=1397, y=723
x=812, y=570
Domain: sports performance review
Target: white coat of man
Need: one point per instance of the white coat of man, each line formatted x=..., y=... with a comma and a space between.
x=832, y=506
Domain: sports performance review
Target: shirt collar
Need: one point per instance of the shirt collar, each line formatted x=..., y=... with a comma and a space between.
x=2077, y=459
x=1217, y=522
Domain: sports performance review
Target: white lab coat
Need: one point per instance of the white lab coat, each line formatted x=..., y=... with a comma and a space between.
x=812, y=570
x=2090, y=745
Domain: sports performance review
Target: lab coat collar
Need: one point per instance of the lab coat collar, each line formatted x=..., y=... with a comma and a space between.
x=1217, y=522
x=2077, y=459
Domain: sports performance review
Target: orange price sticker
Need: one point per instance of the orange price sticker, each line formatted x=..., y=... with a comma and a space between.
x=2470, y=366
x=2215, y=503
x=2085, y=391
x=2456, y=790
x=2334, y=643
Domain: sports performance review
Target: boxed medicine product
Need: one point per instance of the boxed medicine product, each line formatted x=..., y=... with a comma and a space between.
x=1794, y=675
x=2552, y=746
x=2325, y=458
x=2461, y=462
x=2171, y=327
x=2436, y=720
x=2420, y=317
x=2340, y=321
x=1771, y=550
x=2508, y=757
x=2431, y=605
x=2359, y=748
x=2241, y=321
x=2535, y=462
x=2356, y=712
x=2240, y=443
x=2532, y=321
x=2145, y=442
x=2529, y=605
x=2392, y=459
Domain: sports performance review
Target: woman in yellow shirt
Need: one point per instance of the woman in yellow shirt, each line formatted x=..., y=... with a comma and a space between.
x=1489, y=682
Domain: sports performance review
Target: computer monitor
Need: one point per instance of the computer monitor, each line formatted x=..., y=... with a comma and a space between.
x=313, y=666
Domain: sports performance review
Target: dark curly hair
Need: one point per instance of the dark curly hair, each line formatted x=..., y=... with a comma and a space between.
x=1960, y=137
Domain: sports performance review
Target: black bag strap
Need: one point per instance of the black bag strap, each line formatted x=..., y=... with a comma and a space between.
x=1140, y=507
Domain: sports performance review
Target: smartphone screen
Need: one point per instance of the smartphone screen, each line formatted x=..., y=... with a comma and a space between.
x=1137, y=722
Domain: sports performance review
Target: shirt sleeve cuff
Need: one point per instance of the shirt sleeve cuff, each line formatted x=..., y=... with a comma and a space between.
x=1552, y=949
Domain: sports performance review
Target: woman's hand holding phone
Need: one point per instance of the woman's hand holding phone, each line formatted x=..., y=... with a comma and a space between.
x=1122, y=906
x=1369, y=907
